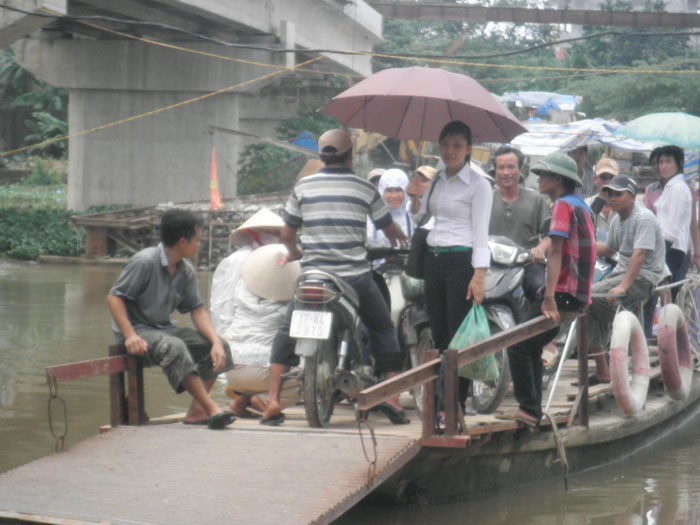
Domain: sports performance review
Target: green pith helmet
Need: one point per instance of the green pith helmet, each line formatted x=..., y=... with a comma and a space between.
x=558, y=163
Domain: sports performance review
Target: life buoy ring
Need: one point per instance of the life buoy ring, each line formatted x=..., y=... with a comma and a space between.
x=627, y=333
x=675, y=356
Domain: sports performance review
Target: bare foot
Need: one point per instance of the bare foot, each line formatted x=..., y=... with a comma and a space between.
x=257, y=403
x=271, y=410
x=239, y=405
x=394, y=402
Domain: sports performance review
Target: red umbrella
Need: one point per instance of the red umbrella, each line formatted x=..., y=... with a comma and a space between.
x=416, y=102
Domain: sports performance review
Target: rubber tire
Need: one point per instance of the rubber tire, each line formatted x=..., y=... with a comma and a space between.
x=487, y=396
x=319, y=394
x=415, y=357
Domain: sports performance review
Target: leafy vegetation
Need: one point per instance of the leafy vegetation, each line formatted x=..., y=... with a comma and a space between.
x=267, y=168
x=19, y=88
x=34, y=221
x=625, y=94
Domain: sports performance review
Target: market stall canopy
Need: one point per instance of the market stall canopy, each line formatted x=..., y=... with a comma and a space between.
x=543, y=138
x=416, y=102
x=544, y=101
x=672, y=128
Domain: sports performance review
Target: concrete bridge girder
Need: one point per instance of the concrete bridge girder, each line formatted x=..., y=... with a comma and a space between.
x=15, y=25
x=165, y=157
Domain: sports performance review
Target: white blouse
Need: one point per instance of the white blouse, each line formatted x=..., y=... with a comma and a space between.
x=461, y=208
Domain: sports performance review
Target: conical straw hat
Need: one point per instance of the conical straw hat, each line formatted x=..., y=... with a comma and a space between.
x=263, y=219
x=266, y=277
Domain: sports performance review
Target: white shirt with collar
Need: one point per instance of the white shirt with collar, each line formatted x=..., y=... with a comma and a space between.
x=673, y=209
x=461, y=208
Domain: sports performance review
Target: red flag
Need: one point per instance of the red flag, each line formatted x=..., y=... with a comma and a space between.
x=215, y=196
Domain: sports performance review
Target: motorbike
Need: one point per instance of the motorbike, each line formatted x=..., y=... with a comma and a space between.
x=504, y=305
x=331, y=340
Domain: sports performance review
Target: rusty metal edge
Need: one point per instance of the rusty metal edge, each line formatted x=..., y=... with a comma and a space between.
x=393, y=465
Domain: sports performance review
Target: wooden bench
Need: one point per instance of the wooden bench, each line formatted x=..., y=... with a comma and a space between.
x=126, y=394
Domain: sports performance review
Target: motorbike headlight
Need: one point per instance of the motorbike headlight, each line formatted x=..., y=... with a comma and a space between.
x=522, y=258
x=503, y=254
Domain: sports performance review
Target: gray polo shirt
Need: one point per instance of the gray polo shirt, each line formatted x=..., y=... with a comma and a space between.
x=525, y=222
x=640, y=230
x=149, y=293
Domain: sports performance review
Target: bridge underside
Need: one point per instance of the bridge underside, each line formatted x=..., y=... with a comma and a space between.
x=149, y=79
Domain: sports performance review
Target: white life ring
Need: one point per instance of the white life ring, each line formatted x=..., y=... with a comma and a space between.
x=675, y=356
x=627, y=333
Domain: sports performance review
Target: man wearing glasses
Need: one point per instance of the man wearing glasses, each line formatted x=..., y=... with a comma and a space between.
x=635, y=235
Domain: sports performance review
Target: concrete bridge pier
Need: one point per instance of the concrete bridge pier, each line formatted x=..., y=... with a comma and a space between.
x=163, y=157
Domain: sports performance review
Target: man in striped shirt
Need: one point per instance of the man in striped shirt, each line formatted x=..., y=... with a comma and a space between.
x=331, y=208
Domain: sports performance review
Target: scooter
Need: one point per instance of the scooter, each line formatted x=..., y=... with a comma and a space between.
x=505, y=305
x=331, y=340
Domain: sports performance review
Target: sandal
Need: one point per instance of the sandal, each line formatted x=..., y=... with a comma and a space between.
x=521, y=417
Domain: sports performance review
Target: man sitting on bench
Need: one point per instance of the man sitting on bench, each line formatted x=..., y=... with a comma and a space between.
x=635, y=235
x=155, y=282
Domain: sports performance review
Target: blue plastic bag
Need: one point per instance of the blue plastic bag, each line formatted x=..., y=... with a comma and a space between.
x=473, y=329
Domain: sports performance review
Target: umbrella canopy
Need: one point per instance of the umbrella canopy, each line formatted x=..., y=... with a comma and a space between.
x=679, y=129
x=414, y=103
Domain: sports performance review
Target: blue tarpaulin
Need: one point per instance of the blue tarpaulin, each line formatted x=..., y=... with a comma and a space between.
x=306, y=140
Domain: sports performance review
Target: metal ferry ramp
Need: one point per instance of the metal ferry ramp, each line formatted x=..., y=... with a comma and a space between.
x=245, y=474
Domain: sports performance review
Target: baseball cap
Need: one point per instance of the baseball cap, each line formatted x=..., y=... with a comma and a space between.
x=606, y=165
x=622, y=183
x=338, y=140
x=427, y=171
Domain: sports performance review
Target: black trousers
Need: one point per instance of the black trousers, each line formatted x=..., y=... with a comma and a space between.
x=447, y=278
x=525, y=358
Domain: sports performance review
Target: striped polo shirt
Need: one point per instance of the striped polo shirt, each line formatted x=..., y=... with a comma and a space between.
x=331, y=208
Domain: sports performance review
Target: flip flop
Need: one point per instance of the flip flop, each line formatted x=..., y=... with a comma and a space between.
x=397, y=417
x=273, y=421
x=221, y=420
x=201, y=422
x=519, y=416
x=246, y=414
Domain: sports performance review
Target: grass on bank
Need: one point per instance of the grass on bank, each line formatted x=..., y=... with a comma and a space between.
x=34, y=219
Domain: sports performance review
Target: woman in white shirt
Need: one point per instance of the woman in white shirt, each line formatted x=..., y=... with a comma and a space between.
x=392, y=188
x=673, y=209
x=458, y=253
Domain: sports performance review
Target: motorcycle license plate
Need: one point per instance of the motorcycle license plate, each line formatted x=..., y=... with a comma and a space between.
x=308, y=324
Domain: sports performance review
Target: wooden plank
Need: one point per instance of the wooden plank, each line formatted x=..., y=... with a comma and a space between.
x=117, y=391
x=86, y=369
x=135, y=398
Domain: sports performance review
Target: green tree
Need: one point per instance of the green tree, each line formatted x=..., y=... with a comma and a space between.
x=629, y=48
x=19, y=88
x=267, y=168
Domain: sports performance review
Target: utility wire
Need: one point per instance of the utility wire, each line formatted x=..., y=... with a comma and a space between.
x=205, y=38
